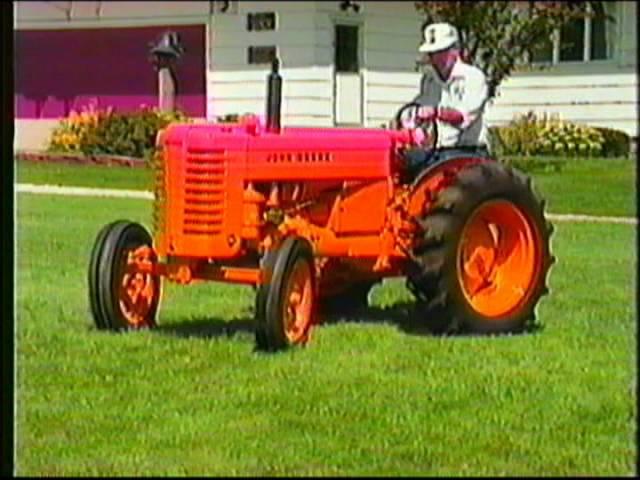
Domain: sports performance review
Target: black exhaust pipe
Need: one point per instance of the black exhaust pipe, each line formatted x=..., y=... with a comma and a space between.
x=274, y=97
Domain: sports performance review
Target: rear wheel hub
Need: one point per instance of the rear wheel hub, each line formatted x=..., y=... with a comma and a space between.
x=497, y=258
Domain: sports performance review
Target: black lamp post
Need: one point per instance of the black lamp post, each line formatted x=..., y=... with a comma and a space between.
x=165, y=53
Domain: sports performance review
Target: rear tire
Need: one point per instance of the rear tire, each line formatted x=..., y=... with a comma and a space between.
x=120, y=301
x=483, y=259
x=286, y=302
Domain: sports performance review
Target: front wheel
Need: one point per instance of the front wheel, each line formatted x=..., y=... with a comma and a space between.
x=285, y=303
x=483, y=259
x=121, y=298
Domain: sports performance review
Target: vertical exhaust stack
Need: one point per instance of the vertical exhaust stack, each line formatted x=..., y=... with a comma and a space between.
x=274, y=97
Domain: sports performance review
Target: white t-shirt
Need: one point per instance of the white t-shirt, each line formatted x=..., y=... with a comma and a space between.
x=465, y=90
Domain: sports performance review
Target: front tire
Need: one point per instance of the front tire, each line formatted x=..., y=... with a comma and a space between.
x=286, y=302
x=483, y=260
x=119, y=300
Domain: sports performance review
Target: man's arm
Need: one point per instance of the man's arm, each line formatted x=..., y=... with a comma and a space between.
x=448, y=115
x=471, y=102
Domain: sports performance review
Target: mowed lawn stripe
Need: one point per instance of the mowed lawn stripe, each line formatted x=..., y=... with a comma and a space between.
x=146, y=195
x=597, y=187
x=83, y=191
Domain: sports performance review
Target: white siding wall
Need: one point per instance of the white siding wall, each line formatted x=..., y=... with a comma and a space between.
x=390, y=38
x=387, y=92
x=390, y=35
x=306, y=95
x=628, y=34
x=236, y=87
x=607, y=99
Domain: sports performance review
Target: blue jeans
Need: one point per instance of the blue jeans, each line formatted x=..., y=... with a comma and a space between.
x=419, y=159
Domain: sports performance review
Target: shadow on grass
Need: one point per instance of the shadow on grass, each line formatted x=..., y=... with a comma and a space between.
x=402, y=316
x=399, y=315
x=206, y=328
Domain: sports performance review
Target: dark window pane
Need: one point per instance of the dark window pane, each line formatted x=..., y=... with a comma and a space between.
x=542, y=52
x=261, y=21
x=572, y=41
x=598, y=34
x=258, y=55
x=346, y=56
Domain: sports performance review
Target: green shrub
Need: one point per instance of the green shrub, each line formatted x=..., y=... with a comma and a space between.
x=77, y=133
x=529, y=135
x=519, y=136
x=558, y=138
x=494, y=141
x=95, y=131
x=616, y=143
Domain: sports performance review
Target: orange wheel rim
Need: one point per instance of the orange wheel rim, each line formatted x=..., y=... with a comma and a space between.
x=498, y=258
x=298, y=303
x=137, y=290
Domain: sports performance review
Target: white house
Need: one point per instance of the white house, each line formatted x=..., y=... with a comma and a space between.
x=340, y=66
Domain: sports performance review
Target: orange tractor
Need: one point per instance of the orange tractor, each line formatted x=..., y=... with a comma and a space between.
x=315, y=217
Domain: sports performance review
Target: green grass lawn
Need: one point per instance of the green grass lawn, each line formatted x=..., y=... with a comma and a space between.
x=98, y=176
x=193, y=398
x=593, y=186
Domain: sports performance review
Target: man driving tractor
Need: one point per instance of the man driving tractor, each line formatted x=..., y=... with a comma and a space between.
x=313, y=218
x=453, y=97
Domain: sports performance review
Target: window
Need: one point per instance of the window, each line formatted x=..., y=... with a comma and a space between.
x=581, y=40
x=543, y=52
x=346, y=48
x=601, y=34
x=572, y=41
x=258, y=55
x=261, y=21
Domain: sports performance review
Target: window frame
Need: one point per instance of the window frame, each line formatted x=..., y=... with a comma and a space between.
x=343, y=18
x=586, y=53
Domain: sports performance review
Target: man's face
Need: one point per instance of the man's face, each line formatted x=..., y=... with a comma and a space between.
x=443, y=61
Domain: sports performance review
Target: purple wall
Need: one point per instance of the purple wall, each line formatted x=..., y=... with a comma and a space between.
x=60, y=70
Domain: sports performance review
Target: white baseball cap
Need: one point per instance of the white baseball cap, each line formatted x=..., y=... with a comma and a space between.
x=438, y=36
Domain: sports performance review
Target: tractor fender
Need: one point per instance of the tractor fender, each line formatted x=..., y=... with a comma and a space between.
x=463, y=158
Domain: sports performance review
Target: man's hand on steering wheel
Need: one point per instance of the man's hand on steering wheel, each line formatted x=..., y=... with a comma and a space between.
x=427, y=113
x=417, y=119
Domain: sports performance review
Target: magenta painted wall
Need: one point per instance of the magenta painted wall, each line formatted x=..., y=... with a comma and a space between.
x=60, y=70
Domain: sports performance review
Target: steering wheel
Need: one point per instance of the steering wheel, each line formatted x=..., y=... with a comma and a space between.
x=407, y=118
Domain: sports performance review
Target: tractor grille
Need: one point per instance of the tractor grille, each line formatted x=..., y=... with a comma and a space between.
x=159, y=193
x=204, y=192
